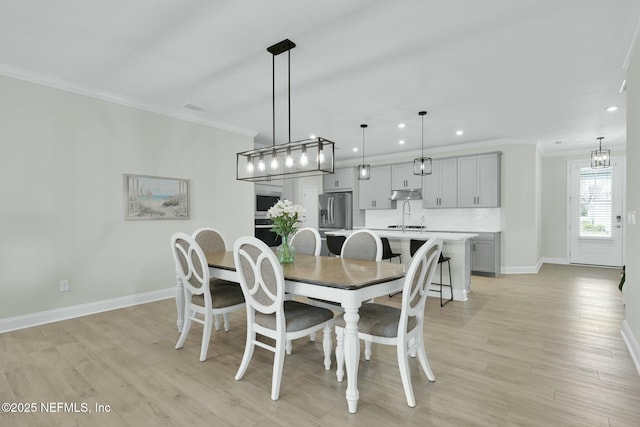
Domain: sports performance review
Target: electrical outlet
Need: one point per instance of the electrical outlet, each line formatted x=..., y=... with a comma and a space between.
x=64, y=285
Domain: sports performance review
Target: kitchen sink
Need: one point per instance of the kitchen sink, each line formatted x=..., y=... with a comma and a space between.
x=407, y=227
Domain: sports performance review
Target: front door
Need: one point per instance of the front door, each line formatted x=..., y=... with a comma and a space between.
x=596, y=212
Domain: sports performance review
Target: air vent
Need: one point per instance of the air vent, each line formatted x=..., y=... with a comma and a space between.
x=192, y=107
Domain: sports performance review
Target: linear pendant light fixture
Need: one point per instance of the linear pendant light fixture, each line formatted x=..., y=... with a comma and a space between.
x=364, y=171
x=313, y=156
x=600, y=158
x=422, y=165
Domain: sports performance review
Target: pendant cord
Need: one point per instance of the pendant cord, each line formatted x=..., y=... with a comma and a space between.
x=423, y=137
x=289, y=89
x=273, y=98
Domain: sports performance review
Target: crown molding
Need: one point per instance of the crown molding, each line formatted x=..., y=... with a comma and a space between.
x=60, y=84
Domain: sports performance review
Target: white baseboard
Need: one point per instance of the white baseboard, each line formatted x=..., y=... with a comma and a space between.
x=522, y=269
x=547, y=260
x=632, y=344
x=49, y=316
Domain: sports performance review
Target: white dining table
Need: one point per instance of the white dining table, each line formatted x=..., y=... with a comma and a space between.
x=345, y=281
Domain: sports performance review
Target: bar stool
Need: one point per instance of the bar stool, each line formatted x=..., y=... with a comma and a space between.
x=387, y=253
x=334, y=244
x=414, y=245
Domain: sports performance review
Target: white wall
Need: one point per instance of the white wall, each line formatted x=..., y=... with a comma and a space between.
x=62, y=157
x=631, y=326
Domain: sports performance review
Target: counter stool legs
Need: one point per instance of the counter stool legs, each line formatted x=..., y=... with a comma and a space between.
x=441, y=261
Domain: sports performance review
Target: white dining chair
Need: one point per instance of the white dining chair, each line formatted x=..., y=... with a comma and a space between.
x=402, y=327
x=362, y=244
x=211, y=241
x=201, y=301
x=307, y=241
x=269, y=314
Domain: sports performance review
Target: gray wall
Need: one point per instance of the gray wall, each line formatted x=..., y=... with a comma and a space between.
x=62, y=157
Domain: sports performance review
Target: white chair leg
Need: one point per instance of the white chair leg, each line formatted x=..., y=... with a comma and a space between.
x=412, y=342
x=326, y=345
x=403, y=364
x=248, y=353
x=339, y=354
x=288, y=347
x=216, y=318
x=185, y=330
x=424, y=362
x=206, y=336
x=312, y=336
x=278, y=363
x=367, y=350
x=225, y=316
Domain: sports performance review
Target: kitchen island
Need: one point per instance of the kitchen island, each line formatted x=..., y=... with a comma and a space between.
x=455, y=245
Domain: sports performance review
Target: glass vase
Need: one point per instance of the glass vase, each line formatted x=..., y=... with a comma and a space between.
x=286, y=252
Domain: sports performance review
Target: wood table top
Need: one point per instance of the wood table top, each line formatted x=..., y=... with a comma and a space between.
x=325, y=271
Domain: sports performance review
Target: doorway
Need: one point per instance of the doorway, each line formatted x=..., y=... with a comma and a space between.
x=595, y=213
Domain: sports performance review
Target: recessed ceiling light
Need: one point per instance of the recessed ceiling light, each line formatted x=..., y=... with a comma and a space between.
x=459, y=132
x=612, y=108
x=402, y=125
x=312, y=136
x=401, y=142
x=355, y=149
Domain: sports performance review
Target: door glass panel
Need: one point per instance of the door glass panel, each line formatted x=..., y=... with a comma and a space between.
x=595, y=202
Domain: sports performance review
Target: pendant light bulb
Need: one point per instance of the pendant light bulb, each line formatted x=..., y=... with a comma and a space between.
x=304, y=160
x=320, y=153
x=289, y=160
x=261, y=163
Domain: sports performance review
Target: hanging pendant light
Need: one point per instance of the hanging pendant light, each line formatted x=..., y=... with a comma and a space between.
x=600, y=158
x=364, y=171
x=422, y=165
x=291, y=159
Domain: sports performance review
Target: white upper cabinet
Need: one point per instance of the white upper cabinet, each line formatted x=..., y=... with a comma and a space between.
x=479, y=181
x=402, y=177
x=440, y=189
x=341, y=180
x=375, y=191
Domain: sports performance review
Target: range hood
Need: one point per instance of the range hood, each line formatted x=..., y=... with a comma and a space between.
x=406, y=195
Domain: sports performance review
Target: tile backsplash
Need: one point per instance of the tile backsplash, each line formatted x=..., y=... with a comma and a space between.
x=470, y=219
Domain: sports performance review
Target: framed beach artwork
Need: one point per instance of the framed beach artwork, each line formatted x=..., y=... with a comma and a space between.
x=154, y=197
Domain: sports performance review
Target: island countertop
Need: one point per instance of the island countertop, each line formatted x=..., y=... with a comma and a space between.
x=411, y=234
x=457, y=246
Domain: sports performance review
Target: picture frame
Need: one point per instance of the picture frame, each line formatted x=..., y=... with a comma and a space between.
x=155, y=198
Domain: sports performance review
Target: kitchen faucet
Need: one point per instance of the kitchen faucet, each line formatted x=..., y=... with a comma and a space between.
x=405, y=204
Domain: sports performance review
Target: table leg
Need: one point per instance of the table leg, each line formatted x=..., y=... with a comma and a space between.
x=351, y=356
x=179, y=303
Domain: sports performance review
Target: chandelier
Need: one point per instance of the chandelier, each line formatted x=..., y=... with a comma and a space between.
x=600, y=158
x=313, y=156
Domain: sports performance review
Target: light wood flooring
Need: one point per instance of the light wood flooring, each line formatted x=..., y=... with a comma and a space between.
x=525, y=350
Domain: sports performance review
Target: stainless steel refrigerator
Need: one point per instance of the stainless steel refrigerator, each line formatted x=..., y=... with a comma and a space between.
x=336, y=213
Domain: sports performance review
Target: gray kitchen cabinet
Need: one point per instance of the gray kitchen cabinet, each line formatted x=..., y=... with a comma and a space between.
x=479, y=181
x=341, y=180
x=402, y=177
x=440, y=189
x=485, y=254
x=375, y=191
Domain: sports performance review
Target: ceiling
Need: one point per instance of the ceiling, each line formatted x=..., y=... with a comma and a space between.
x=528, y=71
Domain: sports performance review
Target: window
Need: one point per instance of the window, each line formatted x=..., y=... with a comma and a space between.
x=595, y=202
